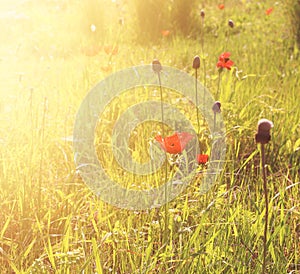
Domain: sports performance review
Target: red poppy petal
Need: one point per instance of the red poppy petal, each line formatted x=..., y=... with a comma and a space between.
x=229, y=64
x=269, y=11
x=220, y=64
x=226, y=55
x=202, y=158
x=161, y=142
x=172, y=144
x=165, y=32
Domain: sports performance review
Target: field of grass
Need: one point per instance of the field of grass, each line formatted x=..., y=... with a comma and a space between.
x=53, y=52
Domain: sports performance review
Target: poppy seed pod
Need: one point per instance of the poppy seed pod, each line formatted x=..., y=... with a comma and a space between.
x=156, y=66
x=263, y=131
x=202, y=13
x=196, y=62
x=230, y=23
x=216, y=107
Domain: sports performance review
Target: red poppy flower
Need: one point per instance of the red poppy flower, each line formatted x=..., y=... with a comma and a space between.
x=202, y=159
x=175, y=143
x=224, y=61
x=269, y=11
x=113, y=50
x=221, y=6
x=165, y=33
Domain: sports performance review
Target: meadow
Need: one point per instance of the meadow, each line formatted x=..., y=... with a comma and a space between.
x=52, y=53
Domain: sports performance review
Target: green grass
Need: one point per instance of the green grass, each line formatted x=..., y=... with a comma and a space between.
x=50, y=221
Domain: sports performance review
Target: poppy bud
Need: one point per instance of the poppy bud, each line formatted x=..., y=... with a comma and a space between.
x=202, y=13
x=202, y=158
x=156, y=66
x=216, y=107
x=230, y=23
x=263, y=131
x=196, y=62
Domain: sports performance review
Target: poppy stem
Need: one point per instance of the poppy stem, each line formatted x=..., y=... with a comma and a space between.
x=266, y=207
x=202, y=34
x=161, y=106
x=196, y=91
x=165, y=234
x=215, y=121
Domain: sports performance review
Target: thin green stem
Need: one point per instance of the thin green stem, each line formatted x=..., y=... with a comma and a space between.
x=266, y=207
x=161, y=105
x=215, y=121
x=202, y=34
x=196, y=91
x=165, y=238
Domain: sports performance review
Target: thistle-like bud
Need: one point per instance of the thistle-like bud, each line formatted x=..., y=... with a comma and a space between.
x=156, y=66
x=230, y=23
x=216, y=107
x=263, y=131
x=196, y=62
x=202, y=13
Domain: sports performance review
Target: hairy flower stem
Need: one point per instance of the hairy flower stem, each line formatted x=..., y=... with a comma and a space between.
x=196, y=91
x=266, y=207
x=202, y=34
x=165, y=234
x=215, y=121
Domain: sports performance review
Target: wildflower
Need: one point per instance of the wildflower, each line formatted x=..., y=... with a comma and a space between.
x=196, y=62
x=175, y=143
x=224, y=61
x=216, y=107
x=113, y=50
x=263, y=137
x=269, y=11
x=230, y=23
x=202, y=159
x=202, y=13
x=263, y=131
x=165, y=33
x=221, y=6
x=156, y=65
